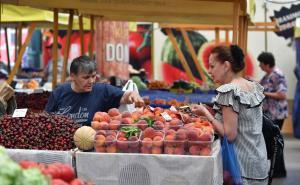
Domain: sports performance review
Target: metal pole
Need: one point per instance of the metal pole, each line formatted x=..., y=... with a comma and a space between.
x=266, y=33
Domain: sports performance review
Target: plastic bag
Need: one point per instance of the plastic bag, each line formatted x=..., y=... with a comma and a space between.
x=231, y=169
x=129, y=86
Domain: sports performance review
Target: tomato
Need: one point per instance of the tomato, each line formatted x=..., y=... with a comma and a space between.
x=28, y=164
x=66, y=172
x=58, y=182
x=77, y=182
x=54, y=171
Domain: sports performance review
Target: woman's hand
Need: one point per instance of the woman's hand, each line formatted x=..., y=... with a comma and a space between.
x=200, y=110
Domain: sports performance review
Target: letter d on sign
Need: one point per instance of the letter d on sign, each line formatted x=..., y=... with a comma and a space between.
x=110, y=52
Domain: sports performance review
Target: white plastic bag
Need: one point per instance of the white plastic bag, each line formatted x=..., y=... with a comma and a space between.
x=129, y=86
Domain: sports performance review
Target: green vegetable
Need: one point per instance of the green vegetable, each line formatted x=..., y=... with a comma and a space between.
x=130, y=131
x=32, y=176
x=12, y=174
x=149, y=121
x=9, y=170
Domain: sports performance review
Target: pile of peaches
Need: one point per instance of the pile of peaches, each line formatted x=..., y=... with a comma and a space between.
x=152, y=131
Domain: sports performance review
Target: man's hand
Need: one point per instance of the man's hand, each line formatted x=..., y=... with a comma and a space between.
x=130, y=97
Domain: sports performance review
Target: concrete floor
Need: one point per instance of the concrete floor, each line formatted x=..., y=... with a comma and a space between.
x=292, y=162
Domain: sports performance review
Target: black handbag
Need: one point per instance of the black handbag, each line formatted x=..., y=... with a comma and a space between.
x=274, y=142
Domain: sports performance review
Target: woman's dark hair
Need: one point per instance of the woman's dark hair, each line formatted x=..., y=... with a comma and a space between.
x=82, y=64
x=233, y=54
x=266, y=58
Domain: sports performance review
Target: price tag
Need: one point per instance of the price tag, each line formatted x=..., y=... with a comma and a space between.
x=151, y=108
x=172, y=108
x=166, y=116
x=38, y=91
x=19, y=85
x=19, y=113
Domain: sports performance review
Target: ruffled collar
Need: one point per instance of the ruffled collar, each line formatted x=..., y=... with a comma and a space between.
x=251, y=98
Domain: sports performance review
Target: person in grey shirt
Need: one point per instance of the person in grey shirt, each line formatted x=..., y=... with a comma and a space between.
x=238, y=113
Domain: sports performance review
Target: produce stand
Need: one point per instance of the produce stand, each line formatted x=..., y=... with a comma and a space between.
x=149, y=169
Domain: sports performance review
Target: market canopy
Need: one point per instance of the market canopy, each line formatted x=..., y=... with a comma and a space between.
x=167, y=11
x=11, y=15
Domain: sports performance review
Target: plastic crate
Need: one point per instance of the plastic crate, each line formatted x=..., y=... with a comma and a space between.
x=106, y=141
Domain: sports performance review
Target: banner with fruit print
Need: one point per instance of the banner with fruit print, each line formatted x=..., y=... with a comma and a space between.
x=112, y=48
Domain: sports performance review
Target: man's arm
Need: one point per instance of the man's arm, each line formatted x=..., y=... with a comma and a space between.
x=130, y=97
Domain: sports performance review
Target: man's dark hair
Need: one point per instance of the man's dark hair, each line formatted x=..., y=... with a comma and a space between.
x=82, y=64
x=266, y=58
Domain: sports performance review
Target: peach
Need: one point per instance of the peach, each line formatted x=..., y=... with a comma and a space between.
x=122, y=134
x=179, y=150
x=110, y=138
x=114, y=124
x=147, y=142
x=158, y=125
x=206, y=151
x=194, y=150
x=149, y=132
x=159, y=118
x=157, y=141
x=111, y=132
x=103, y=125
x=158, y=133
x=95, y=125
x=180, y=135
x=171, y=132
x=100, y=149
x=100, y=140
x=134, y=142
x=113, y=112
x=142, y=122
x=145, y=150
x=136, y=115
x=169, y=150
x=205, y=137
x=111, y=149
x=192, y=135
x=119, y=117
x=126, y=114
x=127, y=120
x=101, y=116
x=156, y=150
x=189, y=126
x=122, y=144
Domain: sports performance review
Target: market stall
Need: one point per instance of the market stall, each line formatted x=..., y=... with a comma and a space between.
x=171, y=168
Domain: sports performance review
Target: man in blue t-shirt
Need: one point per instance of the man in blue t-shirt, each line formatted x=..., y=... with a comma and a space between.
x=82, y=98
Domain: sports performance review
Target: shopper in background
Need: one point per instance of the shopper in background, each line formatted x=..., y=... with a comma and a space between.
x=238, y=107
x=81, y=98
x=275, y=104
x=48, y=72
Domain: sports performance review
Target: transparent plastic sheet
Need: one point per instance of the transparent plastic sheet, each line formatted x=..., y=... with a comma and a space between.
x=43, y=156
x=148, y=169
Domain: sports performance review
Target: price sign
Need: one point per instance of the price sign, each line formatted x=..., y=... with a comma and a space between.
x=172, y=108
x=151, y=108
x=19, y=113
x=166, y=116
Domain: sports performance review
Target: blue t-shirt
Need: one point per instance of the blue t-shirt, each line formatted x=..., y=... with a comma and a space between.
x=81, y=107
